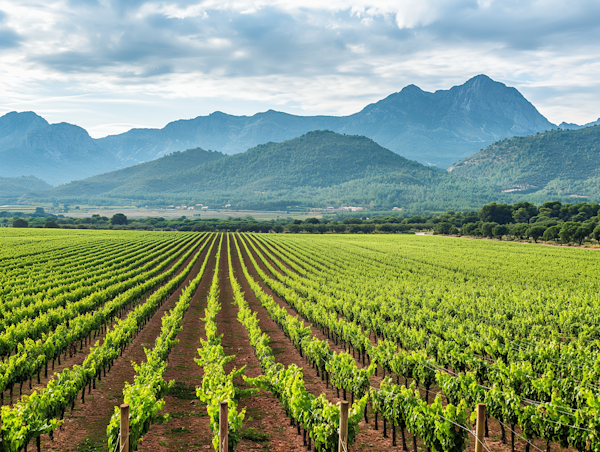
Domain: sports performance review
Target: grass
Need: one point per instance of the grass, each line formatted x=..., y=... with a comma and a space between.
x=181, y=414
x=253, y=434
x=183, y=391
x=89, y=445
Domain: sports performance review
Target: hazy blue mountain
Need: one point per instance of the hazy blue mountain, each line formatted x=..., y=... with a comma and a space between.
x=217, y=131
x=56, y=153
x=445, y=126
x=571, y=126
x=12, y=188
x=437, y=128
x=559, y=163
x=433, y=128
x=320, y=168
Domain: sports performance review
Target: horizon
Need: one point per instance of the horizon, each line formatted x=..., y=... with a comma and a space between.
x=266, y=111
x=112, y=65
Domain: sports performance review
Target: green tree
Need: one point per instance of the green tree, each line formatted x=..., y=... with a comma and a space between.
x=20, y=223
x=529, y=207
x=535, y=232
x=496, y=213
x=487, y=229
x=519, y=230
x=597, y=233
x=119, y=218
x=471, y=229
x=521, y=215
x=51, y=224
x=442, y=228
x=499, y=231
x=567, y=231
x=551, y=233
x=583, y=231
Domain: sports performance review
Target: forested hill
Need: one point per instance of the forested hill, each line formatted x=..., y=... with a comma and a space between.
x=11, y=188
x=435, y=128
x=153, y=172
x=559, y=163
x=318, y=169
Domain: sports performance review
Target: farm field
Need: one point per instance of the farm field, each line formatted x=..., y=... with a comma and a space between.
x=413, y=332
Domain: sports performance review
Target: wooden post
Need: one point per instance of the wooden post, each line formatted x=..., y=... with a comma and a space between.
x=124, y=434
x=223, y=427
x=343, y=443
x=479, y=429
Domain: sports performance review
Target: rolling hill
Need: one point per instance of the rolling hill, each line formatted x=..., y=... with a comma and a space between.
x=318, y=169
x=12, y=188
x=559, y=163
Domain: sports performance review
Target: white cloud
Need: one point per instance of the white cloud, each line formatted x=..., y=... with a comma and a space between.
x=310, y=57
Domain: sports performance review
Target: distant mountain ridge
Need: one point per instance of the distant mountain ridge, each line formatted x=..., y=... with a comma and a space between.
x=437, y=128
x=56, y=153
x=571, y=126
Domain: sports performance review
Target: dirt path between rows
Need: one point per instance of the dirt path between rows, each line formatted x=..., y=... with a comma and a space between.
x=264, y=414
x=189, y=427
x=493, y=442
x=80, y=353
x=263, y=429
x=368, y=438
x=85, y=427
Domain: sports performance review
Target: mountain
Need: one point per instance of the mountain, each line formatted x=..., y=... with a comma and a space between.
x=433, y=128
x=12, y=188
x=218, y=131
x=57, y=153
x=559, y=163
x=318, y=169
x=437, y=128
x=570, y=126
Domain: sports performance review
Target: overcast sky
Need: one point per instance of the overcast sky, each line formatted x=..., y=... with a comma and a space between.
x=110, y=65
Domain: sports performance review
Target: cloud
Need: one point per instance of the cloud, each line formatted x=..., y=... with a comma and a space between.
x=309, y=57
x=8, y=37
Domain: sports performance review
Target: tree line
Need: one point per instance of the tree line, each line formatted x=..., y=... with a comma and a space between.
x=552, y=222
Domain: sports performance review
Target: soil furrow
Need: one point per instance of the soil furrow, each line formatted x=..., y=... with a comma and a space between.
x=86, y=425
x=77, y=354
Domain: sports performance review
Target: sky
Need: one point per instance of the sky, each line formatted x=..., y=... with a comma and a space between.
x=111, y=65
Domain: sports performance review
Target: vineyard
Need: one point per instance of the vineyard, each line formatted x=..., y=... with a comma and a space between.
x=276, y=329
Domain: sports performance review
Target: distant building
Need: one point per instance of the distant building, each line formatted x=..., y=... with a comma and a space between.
x=397, y=208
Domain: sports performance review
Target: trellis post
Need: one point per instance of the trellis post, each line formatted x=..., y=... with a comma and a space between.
x=223, y=427
x=343, y=443
x=124, y=433
x=480, y=427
